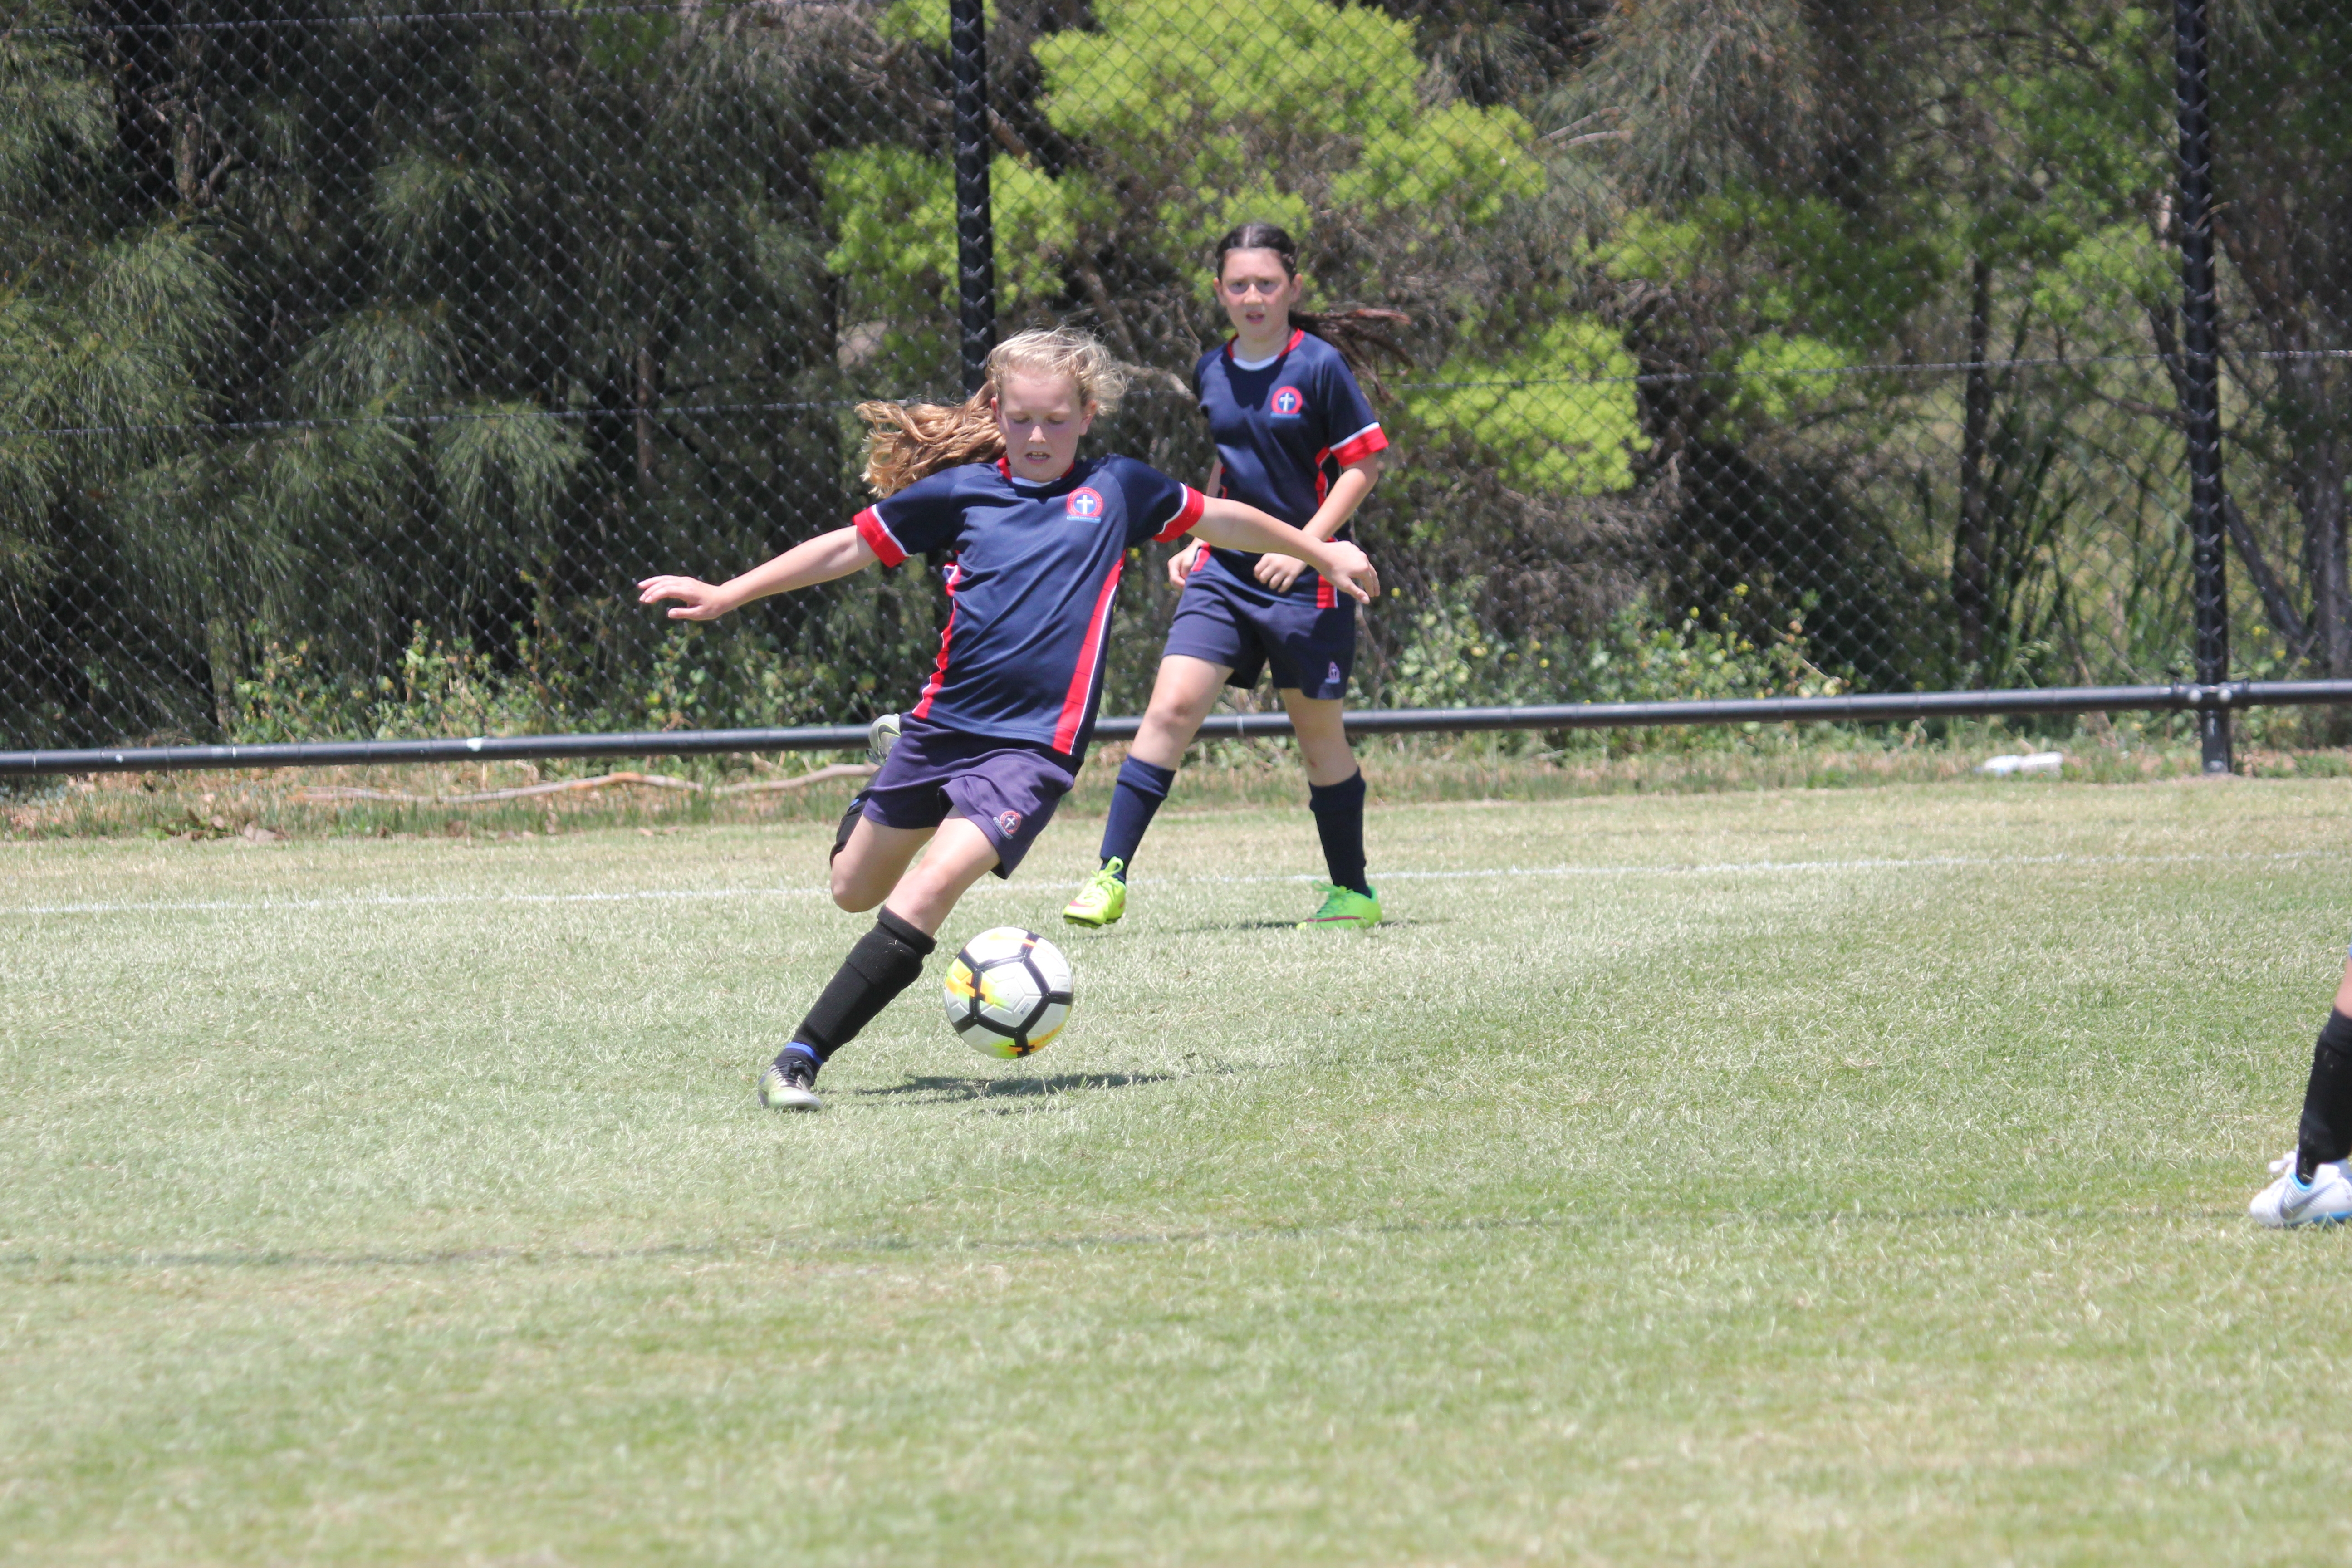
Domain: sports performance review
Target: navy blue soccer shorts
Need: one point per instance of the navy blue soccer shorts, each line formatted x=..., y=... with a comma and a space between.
x=1309, y=647
x=1007, y=789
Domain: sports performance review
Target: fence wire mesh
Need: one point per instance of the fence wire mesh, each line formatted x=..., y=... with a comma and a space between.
x=355, y=360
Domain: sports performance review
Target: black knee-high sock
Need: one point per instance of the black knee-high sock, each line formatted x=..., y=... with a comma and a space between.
x=1340, y=821
x=2325, y=1133
x=886, y=960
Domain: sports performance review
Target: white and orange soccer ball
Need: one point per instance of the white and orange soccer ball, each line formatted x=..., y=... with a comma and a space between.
x=1008, y=993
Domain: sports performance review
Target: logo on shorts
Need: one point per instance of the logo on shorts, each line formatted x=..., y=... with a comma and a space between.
x=1085, y=503
x=1010, y=821
x=1335, y=677
x=1288, y=403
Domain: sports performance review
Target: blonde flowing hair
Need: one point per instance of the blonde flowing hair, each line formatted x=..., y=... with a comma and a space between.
x=910, y=441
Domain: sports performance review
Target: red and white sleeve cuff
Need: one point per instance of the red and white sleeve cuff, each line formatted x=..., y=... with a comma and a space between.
x=1186, y=516
x=877, y=536
x=1360, y=445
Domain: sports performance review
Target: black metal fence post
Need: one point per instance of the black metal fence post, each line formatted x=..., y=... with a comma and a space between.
x=975, y=221
x=2201, y=377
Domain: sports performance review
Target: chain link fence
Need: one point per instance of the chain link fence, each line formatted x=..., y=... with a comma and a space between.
x=354, y=359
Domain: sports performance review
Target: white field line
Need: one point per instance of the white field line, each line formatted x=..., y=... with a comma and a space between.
x=688, y=895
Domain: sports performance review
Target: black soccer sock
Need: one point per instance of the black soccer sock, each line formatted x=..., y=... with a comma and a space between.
x=1141, y=787
x=2325, y=1133
x=848, y=825
x=886, y=960
x=1339, y=821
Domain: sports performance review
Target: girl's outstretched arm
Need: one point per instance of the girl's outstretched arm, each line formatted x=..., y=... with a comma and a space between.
x=805, y=565
x=1232, y=525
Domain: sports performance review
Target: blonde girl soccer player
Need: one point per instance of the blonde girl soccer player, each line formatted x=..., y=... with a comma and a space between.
x=1295, y=437
x=1037, y=540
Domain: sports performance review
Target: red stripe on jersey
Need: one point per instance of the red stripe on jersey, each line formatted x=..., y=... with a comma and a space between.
x=877, y=536
x=1326, y=597
x=1090, y=653
x=947, y=635
x=1360, y=445
x=1186, y=516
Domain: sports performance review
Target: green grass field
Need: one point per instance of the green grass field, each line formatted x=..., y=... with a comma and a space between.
x=1789, y=1176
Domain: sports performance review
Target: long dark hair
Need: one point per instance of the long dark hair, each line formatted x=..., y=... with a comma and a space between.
x=1362, y=334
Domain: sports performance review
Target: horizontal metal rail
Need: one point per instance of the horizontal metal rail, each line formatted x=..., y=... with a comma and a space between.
x=1870, y=707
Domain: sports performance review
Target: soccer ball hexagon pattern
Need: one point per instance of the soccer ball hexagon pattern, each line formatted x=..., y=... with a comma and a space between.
x=1008, y=993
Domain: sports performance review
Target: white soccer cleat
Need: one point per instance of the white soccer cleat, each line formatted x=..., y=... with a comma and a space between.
x=2288, y=1201
x=880, y=736
x=790, y=1085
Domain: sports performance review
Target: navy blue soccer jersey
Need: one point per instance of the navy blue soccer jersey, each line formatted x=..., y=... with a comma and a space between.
x=1030, y=590
x=1284, y=431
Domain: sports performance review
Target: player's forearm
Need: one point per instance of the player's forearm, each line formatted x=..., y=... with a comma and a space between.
x=824, y=558
x=1232, y=525
x=1348, y=492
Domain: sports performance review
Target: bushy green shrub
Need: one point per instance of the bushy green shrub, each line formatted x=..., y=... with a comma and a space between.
x=1449, y=660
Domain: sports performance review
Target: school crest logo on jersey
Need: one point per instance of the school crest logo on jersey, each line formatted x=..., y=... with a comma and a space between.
x=1288, y=403
x=1335, y=677
x=1086, y=503
x=1010, y=821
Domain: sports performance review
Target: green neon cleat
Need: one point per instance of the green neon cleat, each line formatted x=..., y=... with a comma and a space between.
x=1344, y=908
x=1102, y=900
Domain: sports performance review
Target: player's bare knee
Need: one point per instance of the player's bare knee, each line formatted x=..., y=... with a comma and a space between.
x=1171, y=713
x=1179, y=718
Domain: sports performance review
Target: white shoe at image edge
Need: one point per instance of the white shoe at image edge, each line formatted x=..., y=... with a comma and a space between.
x=2288, y=1202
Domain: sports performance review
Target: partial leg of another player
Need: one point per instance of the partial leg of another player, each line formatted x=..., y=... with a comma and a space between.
x=1181, y=696
x=1335, y=793
x=2311, y=1186
x=874, y=863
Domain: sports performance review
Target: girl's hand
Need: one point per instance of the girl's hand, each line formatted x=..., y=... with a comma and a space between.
x=1180, y=564
x=697, y=600
x=1279, y=572
x=1351, y=571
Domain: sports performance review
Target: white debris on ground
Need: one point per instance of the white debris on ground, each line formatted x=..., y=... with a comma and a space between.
x=2038, y=762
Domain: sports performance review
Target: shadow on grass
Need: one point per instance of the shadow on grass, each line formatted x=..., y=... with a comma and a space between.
x=1204, y=928
x=941, y=1087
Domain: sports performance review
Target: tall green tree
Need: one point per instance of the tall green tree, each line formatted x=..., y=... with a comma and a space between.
x=110, y=323
x=454, y=322
x=1787, y=189
x=2283, y=138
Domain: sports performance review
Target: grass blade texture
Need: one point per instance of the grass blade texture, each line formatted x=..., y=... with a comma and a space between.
x=1782, y=1178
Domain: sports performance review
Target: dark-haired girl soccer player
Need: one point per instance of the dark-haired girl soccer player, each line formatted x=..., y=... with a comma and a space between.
x=1038, y=541
x=1295, y=437
x=2310, y=1185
